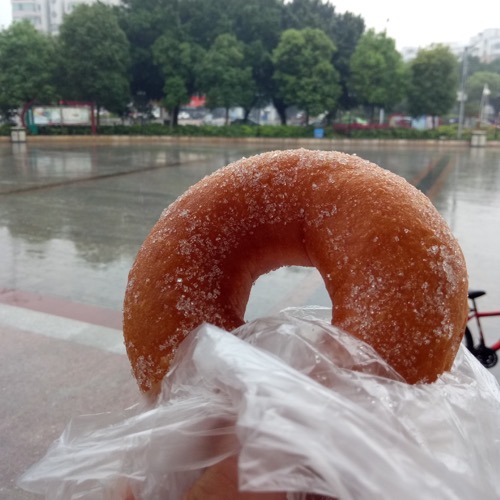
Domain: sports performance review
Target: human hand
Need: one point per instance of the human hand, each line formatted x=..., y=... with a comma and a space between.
x=220, y=482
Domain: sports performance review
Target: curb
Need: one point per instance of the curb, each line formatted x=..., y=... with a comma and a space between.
x=127, y=139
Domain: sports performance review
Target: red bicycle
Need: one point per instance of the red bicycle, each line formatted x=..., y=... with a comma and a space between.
x=487, y=355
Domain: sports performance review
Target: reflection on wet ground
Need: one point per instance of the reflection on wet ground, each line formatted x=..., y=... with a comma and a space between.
x=71, y=221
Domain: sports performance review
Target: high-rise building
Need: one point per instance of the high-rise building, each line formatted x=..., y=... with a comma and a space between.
x=47, y=15
x=486, y=45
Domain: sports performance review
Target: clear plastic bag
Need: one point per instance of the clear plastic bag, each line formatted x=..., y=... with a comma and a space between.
x=306, y=407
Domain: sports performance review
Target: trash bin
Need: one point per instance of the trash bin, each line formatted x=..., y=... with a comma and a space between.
x=478, y=139
x=18, y=134
x=319, y=133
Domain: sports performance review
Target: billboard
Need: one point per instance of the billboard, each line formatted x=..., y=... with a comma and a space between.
x=62, y=115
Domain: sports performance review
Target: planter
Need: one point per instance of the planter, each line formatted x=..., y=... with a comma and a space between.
x=478, y=139
x=18, y=134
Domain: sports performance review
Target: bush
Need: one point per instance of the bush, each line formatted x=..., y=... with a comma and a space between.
x=353, y=131
x=5, y=130
x=63, y=130
x=375, y=131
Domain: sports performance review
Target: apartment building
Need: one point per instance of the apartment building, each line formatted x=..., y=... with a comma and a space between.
x=486, y=45
x=47, y=15
x=410, y=53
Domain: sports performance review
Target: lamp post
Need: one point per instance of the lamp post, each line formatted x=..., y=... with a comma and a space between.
x=484, y=103
x=462, y=97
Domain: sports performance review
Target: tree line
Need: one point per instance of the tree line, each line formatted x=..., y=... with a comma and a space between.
x=244, y=53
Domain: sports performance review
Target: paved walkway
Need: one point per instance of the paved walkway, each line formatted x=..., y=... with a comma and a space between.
x=71, y=220
x=53, y=369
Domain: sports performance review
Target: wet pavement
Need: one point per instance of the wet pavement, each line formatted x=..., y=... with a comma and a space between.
x=72, y=218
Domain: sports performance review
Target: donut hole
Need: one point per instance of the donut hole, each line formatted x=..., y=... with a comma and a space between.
x=289, y=286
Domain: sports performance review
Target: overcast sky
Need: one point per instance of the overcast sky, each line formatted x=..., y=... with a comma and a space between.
x=411, y=24
x=421, y=23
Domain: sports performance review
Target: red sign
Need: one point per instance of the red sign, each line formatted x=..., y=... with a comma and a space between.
x=197, y=101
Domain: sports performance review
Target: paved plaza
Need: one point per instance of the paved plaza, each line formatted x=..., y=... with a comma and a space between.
x=72, y=217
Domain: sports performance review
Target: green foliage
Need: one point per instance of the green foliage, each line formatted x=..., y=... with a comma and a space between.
x=344, y=30
x=203, y=21
x=377, y=71
x=304, y=74
x=27, y=67
x=442, y=133
x=237, y=52
x=255, y=21
x=94, y=57
x=258, y=25
x=474, y=90
x=433, y=82
x=474, y=65
x=143, y=22
x=493, y=66
x=224, y=75
x=157, y=129
x=348, y=29
x=5, y=130
x=178, y=61
x=301, y=14
x=176, y=93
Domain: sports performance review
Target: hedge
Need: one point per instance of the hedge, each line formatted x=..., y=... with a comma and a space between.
x=446, y=132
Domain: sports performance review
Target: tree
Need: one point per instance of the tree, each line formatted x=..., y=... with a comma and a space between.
x=302, y=14
x=254, y=23
x=178, y=61
x=377, y=72
x=493, y=66
x=474, y=90
x=203, y=21
x=258, y=24
x=143, y=22
x=474, y=65
x=433, y=82
x=304, y=74
x=26, y=67
x=347, y=30
x=95, y=57
x=344, y=30
x=225, y=76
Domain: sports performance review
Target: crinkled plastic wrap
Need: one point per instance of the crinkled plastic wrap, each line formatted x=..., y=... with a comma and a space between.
x=306, y=407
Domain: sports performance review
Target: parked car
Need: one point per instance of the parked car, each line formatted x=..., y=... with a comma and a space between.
x=243, y=121
x=211, y=120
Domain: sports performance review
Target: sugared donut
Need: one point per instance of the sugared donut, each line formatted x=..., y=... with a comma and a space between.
x=393, y=270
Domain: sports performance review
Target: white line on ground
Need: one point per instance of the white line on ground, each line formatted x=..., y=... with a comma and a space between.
x=57, y=327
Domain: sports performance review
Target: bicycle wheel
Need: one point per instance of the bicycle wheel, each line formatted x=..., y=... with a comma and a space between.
x=469, y=341
x=486, y=356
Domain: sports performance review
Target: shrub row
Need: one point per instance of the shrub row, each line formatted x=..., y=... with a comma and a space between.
x=210, y=130
x=4, y=130
x=446, y=132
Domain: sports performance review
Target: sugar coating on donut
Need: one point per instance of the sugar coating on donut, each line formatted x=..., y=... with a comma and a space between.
x=394, y=271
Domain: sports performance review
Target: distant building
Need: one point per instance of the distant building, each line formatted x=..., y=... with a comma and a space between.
x=410, y=53
x=47, y=15
x=486, y=45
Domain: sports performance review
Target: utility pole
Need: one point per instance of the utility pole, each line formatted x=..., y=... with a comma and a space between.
x=462, y=97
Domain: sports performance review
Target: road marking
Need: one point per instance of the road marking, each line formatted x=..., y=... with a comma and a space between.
x=58, y=327
x=60, y=306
